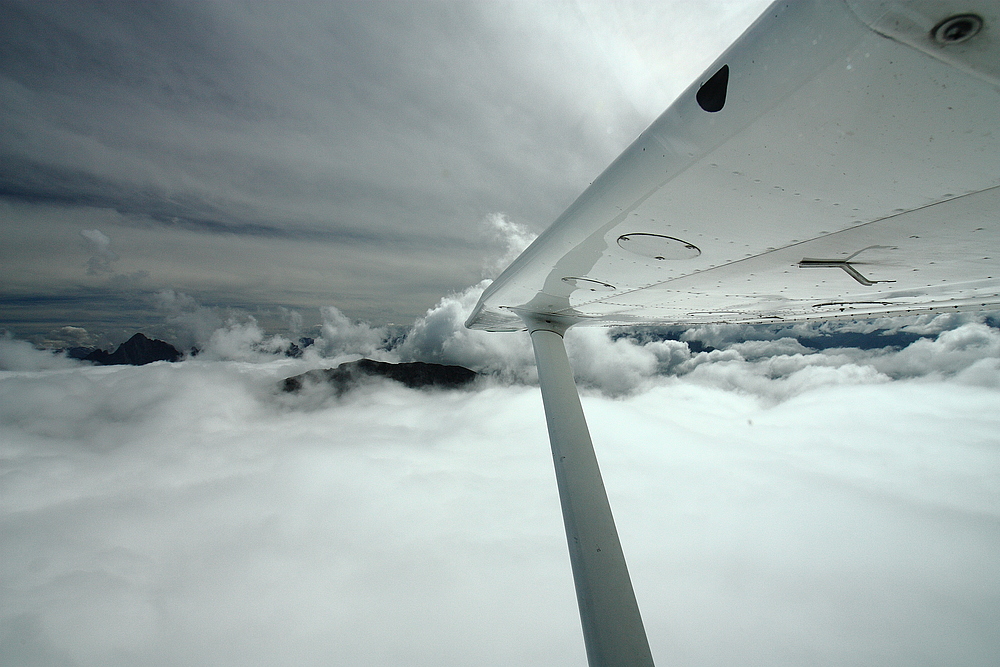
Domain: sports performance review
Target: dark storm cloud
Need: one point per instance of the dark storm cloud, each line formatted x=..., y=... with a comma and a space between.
x=392, y=105
x=113, y=312
x=35, y=184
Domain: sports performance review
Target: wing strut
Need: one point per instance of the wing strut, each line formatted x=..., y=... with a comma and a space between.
x=612, y=627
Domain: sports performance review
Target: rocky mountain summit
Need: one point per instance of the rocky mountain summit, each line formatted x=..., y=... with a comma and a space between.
x=413, y=374
x=136, y=351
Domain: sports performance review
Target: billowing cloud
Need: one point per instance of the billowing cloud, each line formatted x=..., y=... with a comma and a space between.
x=782, y=501
x=952, y=353
x=340, y=335
x=197, y=323
x=513, y=239
x=440, y=336
x=20, y=355
x=101, y=254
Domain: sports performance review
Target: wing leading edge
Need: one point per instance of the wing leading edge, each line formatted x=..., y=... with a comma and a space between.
x=840, y=159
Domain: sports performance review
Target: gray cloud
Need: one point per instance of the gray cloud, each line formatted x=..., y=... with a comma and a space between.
x=378, y=134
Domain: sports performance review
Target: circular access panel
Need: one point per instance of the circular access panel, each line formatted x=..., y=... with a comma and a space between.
x=658, y=247
x=957, y=29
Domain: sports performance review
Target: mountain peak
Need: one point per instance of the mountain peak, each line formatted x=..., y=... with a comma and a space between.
x=136, y=351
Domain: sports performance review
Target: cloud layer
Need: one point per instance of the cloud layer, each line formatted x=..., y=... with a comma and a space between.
x=779, y=504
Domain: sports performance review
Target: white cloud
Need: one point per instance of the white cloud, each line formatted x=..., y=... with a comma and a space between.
x=513, y=238
x=340, y=335
x=243, y=340
x=98, y=240
x=293, y=319
x=185, y=514
x=20, y=355
x=99, y=246
x=440, y=336
x=953, y=351
x=615, y=367
x=182, y=310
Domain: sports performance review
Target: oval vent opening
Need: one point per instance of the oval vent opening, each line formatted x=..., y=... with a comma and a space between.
x=588, y=284
x=658, y=247
x=712, y=94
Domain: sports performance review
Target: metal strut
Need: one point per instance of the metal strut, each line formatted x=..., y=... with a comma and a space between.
x=612, y=627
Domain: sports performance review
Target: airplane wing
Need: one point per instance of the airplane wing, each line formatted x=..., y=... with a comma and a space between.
x=840, y=159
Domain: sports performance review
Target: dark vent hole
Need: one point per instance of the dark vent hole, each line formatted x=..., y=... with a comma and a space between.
x=957, y=29
x=712, y=94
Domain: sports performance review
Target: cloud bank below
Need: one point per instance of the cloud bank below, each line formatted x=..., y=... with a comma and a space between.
x=781, y=501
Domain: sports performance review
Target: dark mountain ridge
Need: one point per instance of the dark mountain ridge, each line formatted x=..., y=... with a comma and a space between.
x=136, y=351
x=413, y=374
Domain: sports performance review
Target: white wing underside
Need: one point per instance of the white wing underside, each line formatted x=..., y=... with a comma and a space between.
x=853, y=170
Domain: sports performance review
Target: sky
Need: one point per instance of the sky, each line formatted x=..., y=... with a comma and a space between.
x=235, y=176
x=268, y=155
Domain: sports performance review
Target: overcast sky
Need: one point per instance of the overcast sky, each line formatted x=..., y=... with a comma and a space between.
x=308, y=154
